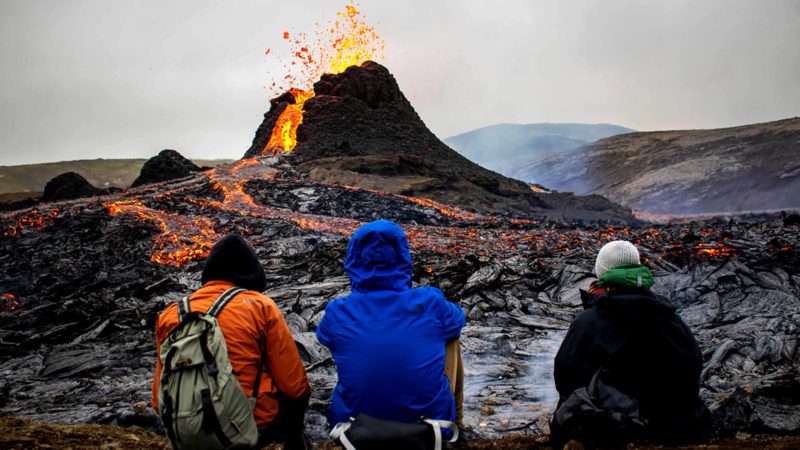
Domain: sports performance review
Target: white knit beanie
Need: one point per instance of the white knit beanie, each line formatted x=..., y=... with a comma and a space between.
x=615, y=254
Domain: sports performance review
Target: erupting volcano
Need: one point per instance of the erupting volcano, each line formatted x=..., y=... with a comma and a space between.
x=354, y=128
x=85, y=278
x=345, y=42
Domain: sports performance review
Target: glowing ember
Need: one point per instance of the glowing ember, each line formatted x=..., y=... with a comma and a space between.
x=33, y=219
x=345, y=42
x=714, y=251
x=8, y=302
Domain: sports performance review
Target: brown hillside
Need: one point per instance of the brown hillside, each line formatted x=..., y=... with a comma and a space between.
x=746, y=168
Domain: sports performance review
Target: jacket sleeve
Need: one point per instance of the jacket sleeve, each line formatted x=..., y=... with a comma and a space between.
x=575, y=361
x=448, y=314
x=282, y=356
x=324, y=331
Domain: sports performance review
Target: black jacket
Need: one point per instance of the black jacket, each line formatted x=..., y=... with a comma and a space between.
x=650, y=354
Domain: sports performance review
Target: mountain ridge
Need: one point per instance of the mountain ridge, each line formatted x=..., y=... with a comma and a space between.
x=734, y=169
x=505, y=147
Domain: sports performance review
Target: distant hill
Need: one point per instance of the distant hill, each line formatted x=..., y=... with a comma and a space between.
x=101, y=173
x=746, y=168
x=506, y=147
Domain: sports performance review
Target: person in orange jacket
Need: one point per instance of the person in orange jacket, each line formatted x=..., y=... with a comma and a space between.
x=255, y=333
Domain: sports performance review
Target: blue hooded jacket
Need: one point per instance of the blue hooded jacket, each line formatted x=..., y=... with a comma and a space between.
x=386, y=338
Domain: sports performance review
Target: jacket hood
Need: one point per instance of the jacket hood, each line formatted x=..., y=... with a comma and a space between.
x=233, y=260
x=378, y=258
x=630, y=303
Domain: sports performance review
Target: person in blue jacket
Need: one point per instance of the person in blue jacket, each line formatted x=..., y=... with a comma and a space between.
x=388, y=339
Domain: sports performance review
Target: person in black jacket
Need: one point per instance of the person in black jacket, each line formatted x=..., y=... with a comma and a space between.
x=646, y=350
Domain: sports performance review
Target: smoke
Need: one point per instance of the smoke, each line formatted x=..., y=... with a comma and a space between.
x=539, y=380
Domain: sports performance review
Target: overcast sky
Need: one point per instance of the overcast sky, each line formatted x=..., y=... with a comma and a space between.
x=124, y=79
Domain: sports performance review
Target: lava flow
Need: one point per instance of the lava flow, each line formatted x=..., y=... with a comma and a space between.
x=182, y=239
x=449, y=211
x=284, y=136
x=187, y=237
x=194, y=222
x=347, y=41
x=33, y=219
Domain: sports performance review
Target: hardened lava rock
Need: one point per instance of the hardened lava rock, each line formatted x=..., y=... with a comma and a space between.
x=167, y=165
x=68, y=186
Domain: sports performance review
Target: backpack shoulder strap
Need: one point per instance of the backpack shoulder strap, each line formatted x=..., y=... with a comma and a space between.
x=183, y=308
x=437, y=431
x=223, y=301
x=338, y=434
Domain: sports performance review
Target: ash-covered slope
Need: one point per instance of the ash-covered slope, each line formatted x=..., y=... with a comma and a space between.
x=752, y=167
x=359, y=129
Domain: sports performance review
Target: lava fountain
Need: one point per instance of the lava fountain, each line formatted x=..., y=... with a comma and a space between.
x=345, y=42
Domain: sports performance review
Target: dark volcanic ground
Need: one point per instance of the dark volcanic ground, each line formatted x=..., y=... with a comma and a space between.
x=83, y=282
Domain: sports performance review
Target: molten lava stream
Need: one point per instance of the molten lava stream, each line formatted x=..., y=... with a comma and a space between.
x=284, y=135
x=182, y=238
x=346, y=41
x=449, y=211
x=231, y=180
x=33, y=219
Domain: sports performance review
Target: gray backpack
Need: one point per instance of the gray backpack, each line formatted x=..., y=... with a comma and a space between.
x=202, y=404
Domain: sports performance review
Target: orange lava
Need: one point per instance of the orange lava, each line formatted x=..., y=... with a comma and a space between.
x=284, y=135
x=344, y=42
x=182, y=238
x=328, y=225
x=449, y=211
x=33, y=219
x=231, y=183
x=189, y=233
x=714, y=251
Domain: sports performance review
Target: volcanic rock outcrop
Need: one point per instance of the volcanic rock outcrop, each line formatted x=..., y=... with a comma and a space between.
x=359, y=129
x=747, y=168
x=167, y=165
x=68, y=186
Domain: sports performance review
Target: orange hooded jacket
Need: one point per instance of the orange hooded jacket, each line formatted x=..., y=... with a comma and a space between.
x=250, y=322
